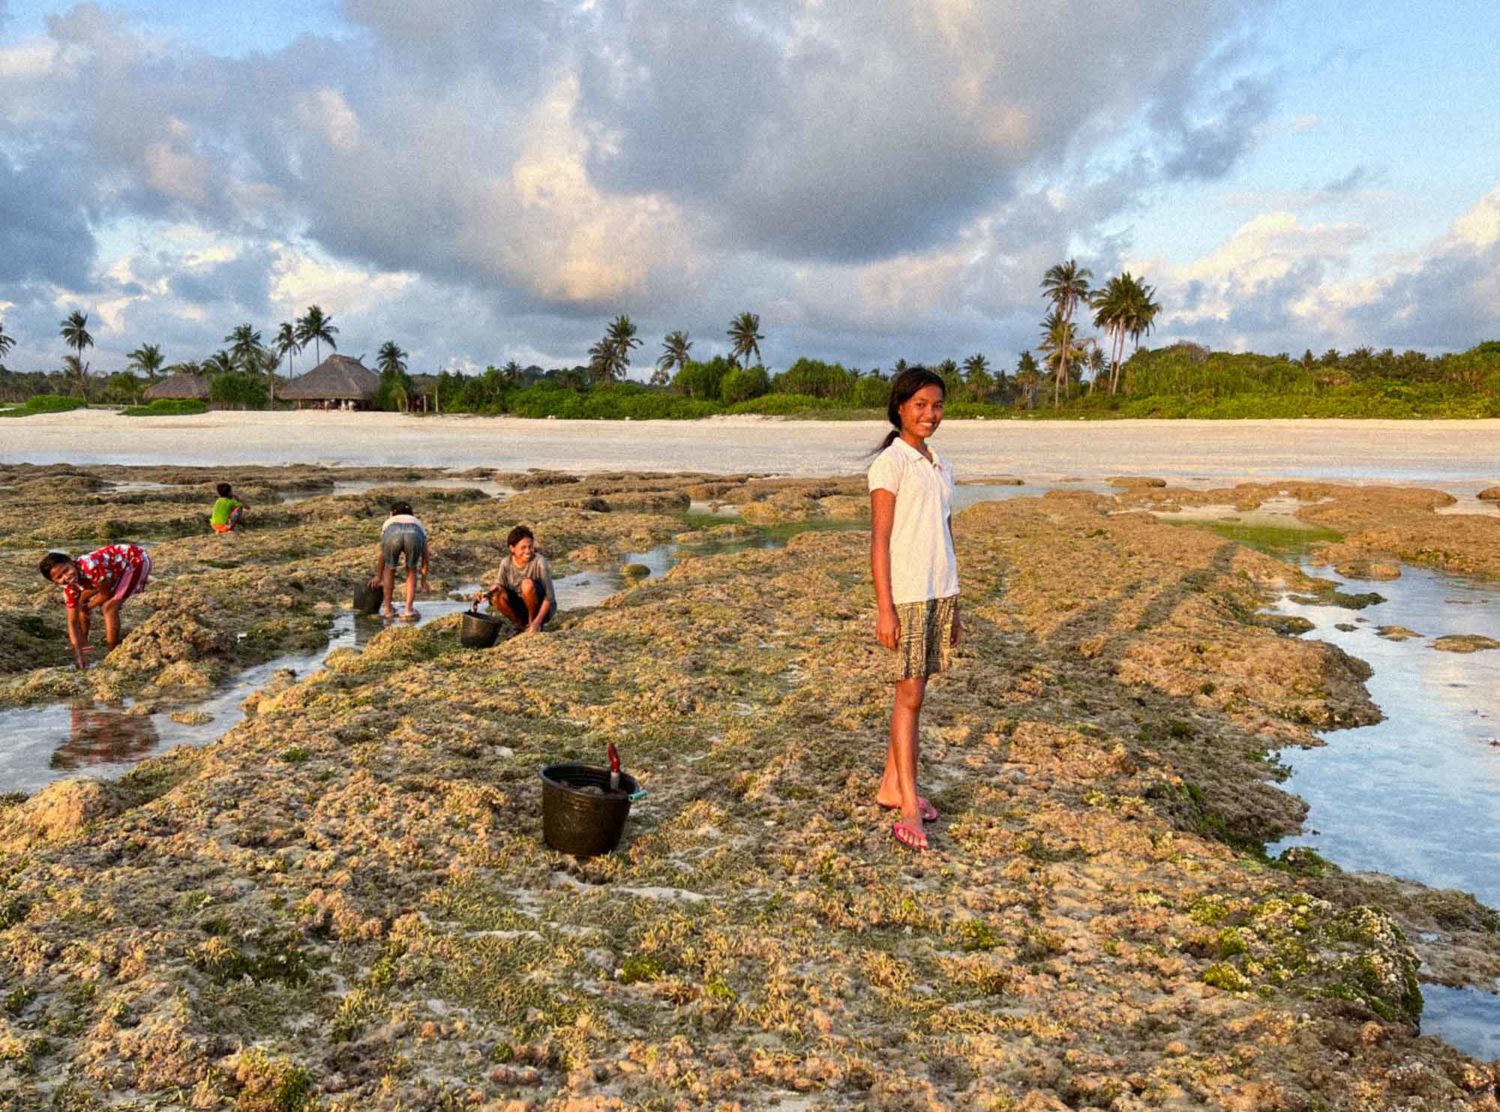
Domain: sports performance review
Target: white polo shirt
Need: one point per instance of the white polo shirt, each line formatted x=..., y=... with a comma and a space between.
x=923, y=565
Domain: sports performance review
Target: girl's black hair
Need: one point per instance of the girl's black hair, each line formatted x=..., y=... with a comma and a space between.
x=225, y=490
x=400, y=508
x=518, y=534
x=903, y=386
x=53, y=560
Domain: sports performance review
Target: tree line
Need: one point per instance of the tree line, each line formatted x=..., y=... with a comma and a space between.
x=1086, y=373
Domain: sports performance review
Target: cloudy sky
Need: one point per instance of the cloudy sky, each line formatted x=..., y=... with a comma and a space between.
x=484, y=180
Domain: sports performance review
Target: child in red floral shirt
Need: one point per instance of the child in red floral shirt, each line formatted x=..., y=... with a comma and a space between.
x=104, y=578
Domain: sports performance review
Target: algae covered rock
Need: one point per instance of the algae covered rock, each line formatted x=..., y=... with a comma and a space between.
x=635, y=571
x=1465, y=643
x=1489, y=494
x=1304, y=945
x=168, y=636
x=56, y=812
x=1368, y=569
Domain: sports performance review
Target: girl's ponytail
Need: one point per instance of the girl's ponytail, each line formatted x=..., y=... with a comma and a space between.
x=903, y=386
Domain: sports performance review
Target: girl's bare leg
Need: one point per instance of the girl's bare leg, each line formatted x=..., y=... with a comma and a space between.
x=898, y=787
x=501, y=602
x=411, y=592
x=532, y=598
x=388, y=581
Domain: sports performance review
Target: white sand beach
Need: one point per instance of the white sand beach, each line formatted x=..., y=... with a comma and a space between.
x=1459, y=456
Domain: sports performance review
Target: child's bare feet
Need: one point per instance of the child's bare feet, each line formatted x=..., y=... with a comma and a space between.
x=410, y=616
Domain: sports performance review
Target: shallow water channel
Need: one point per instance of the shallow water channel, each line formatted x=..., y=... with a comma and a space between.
x=53, y=742
x=1416, y=795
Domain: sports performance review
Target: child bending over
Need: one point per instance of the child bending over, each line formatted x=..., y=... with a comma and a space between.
x=102, y=580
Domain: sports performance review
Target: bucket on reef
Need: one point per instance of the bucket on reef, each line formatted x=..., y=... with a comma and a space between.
x=478, y=631
x=367, y=599
x=580, y=814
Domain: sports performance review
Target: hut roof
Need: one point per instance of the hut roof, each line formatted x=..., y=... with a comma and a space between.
x=334, y=379
x=184, y=384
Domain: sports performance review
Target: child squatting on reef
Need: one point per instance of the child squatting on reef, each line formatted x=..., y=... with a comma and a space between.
x=402, y=536
x=523, y=585
x=228, y=511
x=916, y=580
x=104, y=578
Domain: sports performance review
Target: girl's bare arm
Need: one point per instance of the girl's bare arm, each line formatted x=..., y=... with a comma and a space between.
x=882, y=516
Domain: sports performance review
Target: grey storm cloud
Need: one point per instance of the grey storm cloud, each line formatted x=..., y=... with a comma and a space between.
x=859, y=128
x=727, y=148
x=44, y=229
x=1451, y=294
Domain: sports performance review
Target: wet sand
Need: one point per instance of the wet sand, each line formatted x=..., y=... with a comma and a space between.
x=1458, y=456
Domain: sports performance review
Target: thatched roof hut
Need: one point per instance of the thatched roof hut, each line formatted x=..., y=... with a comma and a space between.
x=184, y=384
x=337, y=379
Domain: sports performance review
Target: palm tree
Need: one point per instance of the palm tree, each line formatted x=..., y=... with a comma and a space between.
x=317, y=329
x=953, y=381
x=1028, y=378
x=602, y=361
x=675, y=347
x=245, y=347
x=622, y=339
x=744, y=335
x=80, y=371
x=147, y=360
x=1065, y=285
x=6, y=342
x=75, y=333
x=1060, y=342
x=391, y=360
x=977, y=376
x=219, y=363
x=512, y=371
x=1096, y=366
x=1125, y=307
x=393, y=381
x=285, y=346
x=250, y=355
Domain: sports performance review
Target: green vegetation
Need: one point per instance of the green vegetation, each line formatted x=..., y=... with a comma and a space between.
x=167, y=407
x=1089, y=376
x=44, y=403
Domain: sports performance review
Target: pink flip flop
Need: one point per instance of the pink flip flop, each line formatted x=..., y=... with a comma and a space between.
x=911, y=839
x=924, y=806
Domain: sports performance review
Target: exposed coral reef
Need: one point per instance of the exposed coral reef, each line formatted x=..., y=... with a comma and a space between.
x=345, y=902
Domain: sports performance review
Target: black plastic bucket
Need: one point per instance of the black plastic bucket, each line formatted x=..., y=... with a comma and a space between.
x=367, y=599
x=580, y=815
x=478, y=631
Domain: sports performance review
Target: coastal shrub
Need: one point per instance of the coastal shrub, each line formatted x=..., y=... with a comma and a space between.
x=870, y=392
x=816, y=379
x=167, y=407
x=545, y=399
x=45, y=403
x=702, y=380
x=977, y=409
x=239, y=390
x=780, y=405
x=743, y=383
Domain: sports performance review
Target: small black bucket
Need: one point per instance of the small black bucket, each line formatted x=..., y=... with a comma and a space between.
x=478, y=631
x=580, y=815
x=367, y=599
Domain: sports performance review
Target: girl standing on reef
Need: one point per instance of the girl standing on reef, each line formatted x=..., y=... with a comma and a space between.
x=916, y=580
x=104, y=578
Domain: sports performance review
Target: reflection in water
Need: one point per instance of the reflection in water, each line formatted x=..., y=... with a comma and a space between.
x=102, y=736
x=1417, y=795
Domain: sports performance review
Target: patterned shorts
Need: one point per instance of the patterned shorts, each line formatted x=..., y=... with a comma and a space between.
x=926, y=637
